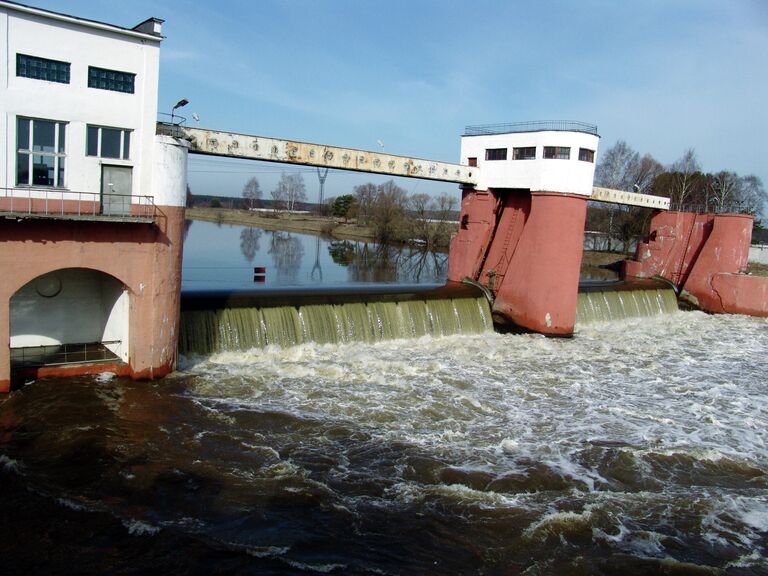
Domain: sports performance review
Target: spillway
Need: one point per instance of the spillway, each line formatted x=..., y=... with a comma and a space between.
x=604, y=302
x=220, y=321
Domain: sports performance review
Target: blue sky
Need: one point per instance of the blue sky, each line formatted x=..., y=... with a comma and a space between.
x=664, y=75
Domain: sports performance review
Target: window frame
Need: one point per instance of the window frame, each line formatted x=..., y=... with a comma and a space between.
x=124, y=142
x=45, y=67
x=521, y=153
x=124, y=84
x=557, y=152
x=58, y=154
x=590, y=155
x=495, y=154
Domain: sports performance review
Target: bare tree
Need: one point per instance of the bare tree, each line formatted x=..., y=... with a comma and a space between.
x=365, y=194
x=444, y=212
x=252, y=191
x=617, y=166
x=622, y=168
x=419, y=205
x=388, y=214
x=686, y=172
x=290, y=190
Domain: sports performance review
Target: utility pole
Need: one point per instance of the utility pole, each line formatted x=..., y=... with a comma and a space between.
x=322, y=174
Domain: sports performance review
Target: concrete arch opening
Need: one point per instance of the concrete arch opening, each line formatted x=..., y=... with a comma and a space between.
x=68, y=316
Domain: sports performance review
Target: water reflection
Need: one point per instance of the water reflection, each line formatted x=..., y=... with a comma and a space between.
x=381, y=263
x=249, y=242
x=287, y=251
x=222, y=256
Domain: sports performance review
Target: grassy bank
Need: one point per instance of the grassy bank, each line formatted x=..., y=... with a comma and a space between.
x=302, y=223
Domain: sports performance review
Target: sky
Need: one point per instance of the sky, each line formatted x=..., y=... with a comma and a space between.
x=662, y=75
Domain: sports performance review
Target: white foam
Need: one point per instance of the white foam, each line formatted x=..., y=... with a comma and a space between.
x=139, y=528
x=686, y=387
x=9, y=464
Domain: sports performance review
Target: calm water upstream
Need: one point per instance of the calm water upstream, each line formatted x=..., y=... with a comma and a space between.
x=637, y=447
x=224, y=257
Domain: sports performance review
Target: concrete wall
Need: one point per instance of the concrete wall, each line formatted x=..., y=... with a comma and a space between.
x=82, y=45
x=572, y=176
x=758, y=253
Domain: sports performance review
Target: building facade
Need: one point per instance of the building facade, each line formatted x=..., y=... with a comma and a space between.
x=91, y=199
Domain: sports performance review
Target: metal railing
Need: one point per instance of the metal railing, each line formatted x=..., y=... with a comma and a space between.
x=714, y=208
x=533, y=126
x=60, y=354
x=64, y=203
x=170, y=125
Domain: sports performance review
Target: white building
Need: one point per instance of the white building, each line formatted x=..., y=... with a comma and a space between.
x=91, y=199
x=78, y=106
x=537, y=156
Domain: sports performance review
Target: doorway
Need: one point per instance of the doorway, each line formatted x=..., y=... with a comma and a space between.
x=116, y=188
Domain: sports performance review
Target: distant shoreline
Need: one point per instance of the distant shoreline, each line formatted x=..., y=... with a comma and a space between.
x=303, y=223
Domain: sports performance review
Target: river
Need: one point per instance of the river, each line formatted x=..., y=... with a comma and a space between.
x=636, y=447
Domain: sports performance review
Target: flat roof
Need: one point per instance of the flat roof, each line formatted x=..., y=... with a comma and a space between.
x=532, y=126
x=84, y=21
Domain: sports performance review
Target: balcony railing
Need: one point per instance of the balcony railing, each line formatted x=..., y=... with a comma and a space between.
x=534, y=126
x=69, y=204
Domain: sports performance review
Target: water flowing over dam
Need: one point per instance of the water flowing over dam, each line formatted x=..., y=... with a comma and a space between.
x=617, y=451
x=245, y=328
x=619, y=302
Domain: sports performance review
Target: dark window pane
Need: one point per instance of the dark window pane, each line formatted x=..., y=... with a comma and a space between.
x=110, y=143
x=92, y=141
x=126, y=144
x=22, y=133
x=44, y=136
x=22, y=168
x=496, y=154
x=60, y=182
x=62, y=136
x=586, y=155
x=111, y=80
x=527, y=153
x=42, y=170
x=42, y=68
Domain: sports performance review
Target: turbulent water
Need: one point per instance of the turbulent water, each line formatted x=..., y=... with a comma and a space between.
x=637, y=447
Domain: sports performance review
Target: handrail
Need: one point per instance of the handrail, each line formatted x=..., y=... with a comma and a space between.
x=533, y=126
x=64, y=202
x=61, y=354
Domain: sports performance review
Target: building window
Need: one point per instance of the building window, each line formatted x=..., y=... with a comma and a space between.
x=472, y=161
x=110, y=80
x=496, y=154
x=557, y=152
x=108, y=142
x=40, y=152
x=586, y=155
x=527, y=153
x=42, y=68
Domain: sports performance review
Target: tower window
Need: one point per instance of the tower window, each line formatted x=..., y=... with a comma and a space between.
x=557, y=152
x=586, y=155
x=496, y=154
x=527, y=153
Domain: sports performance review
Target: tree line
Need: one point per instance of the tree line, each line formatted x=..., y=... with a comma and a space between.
x=683, y=182
x=394, y=215
x=290, y=190
x=397, y=216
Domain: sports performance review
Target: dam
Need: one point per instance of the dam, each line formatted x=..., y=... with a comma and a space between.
x=390, y=432
x=92, y=211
